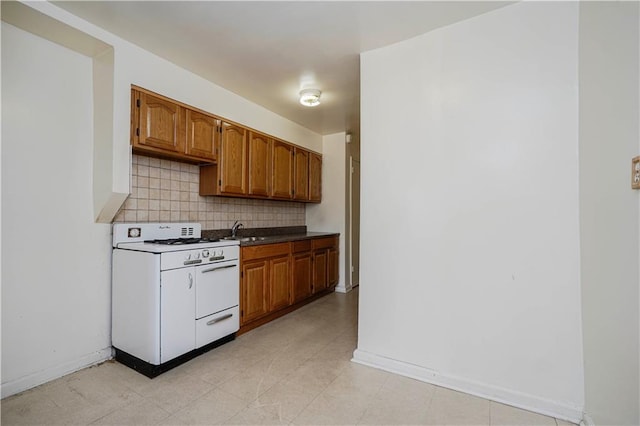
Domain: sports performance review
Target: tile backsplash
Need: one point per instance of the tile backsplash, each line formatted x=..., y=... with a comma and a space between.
x=167, y=191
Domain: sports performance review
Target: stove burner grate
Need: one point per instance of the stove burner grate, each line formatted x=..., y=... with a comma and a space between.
x=182, y=241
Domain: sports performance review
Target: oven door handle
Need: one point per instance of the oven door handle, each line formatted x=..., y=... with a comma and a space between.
x=222, y=318
x=218, y=268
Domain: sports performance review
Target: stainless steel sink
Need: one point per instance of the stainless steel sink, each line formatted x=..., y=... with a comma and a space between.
x=245, y=239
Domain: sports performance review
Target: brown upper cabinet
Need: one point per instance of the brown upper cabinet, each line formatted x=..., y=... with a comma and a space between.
x=259, y=164
x=164, y=128
x=315, y=177
x=229, y=176
x=201, y=135
x=282, y=170
x=301, y=175
x=235, y=161
x=160, y=124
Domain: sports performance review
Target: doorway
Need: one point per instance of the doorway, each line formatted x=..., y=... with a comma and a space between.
x=354, y=220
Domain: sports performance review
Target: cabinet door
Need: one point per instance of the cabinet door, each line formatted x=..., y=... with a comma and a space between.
x=161, y=124
x=255, y=290
x=279, y=283
x=315, y=177
x=333, y=271
x=301, y=173
x=282, y=170
x=319, y=270
x=301, y=276
x=259, y=164
x=201, y=135
x=233, y=160
x=177, y=313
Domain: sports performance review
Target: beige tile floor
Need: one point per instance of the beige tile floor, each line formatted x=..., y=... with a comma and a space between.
x=295, y=370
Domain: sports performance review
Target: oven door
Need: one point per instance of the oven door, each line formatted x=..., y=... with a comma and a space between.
x=217, y=287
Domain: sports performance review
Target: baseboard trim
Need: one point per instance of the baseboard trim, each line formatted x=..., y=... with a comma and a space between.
x=587, y=420
x=342, y=289
x=493, y=393
x=44, y=376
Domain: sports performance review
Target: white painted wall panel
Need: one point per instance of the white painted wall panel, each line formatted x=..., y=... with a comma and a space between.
x=330, y=214
x=470, y=236
x=56, y=261
x=609, y=214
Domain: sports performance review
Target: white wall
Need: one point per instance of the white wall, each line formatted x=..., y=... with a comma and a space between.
x=56, y=261
x=469, y=224
x=330, y=214
x=609, y=214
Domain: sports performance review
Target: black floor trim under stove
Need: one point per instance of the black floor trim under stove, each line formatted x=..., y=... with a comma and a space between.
x=151, y=370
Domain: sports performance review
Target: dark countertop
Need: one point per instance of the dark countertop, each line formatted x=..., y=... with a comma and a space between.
x=270, y=235
x=273, y=239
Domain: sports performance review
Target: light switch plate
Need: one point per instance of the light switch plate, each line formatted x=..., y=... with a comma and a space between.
x=635, y=172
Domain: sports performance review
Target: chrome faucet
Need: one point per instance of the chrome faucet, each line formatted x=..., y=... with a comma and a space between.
x=234, y=229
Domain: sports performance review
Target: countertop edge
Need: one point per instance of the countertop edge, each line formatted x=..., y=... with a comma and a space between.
x=289, y=238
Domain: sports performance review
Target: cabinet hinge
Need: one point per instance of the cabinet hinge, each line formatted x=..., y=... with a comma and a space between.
x=220, y=182
x=138, y=103
x=137, y=131
x=241, y=313
x=241, y=274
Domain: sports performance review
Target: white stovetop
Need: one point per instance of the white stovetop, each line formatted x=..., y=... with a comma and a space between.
x=165, y=248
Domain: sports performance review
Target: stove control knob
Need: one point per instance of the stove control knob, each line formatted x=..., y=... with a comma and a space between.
x=221, y=253
x=196, y=255
x=187, y=256
x=205, y=253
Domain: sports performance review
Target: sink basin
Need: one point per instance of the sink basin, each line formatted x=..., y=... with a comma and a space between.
x=245, y=239
x=251, y=239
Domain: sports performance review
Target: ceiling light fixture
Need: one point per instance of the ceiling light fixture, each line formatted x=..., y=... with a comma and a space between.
x=310, y=97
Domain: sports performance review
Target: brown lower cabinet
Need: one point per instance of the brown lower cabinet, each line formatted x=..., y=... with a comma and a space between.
x=278, y=278
x=255, y=290
x=325, y=263
x=301, y=270
x=279, y=283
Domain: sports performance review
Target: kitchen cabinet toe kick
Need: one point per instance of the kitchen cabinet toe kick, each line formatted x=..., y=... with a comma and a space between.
x=282, y=312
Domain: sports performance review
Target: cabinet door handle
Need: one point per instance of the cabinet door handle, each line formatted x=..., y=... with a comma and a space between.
x=218, y=268
x=222, y=318
x=190, y=280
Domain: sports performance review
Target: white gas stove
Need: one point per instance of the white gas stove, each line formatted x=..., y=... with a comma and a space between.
x=175, y=294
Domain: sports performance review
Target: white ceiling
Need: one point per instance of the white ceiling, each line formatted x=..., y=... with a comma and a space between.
x=268, y=51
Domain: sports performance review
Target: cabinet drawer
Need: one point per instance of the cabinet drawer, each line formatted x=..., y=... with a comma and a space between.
x=265, y=250
x=216, y=326
x=321, y=243
x=304, y=245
